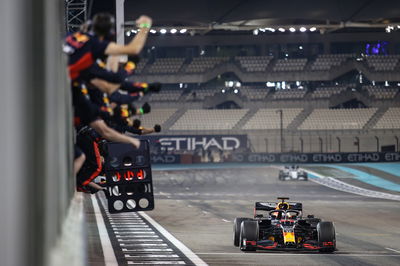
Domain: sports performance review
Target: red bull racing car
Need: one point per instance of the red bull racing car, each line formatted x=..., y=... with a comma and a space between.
x=281, y=226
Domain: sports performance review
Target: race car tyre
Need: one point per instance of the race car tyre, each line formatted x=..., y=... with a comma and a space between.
x=326, y=233
x=249, y=231
x=236, y=229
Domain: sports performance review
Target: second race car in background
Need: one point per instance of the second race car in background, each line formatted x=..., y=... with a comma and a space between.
x=292, y=173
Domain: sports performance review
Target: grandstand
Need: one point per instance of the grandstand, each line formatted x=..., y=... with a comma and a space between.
x=346, y=89
x=325, y=62
x=381, y=92
x=269, y=118
x=254, y=63
x=209, y=119
x=290, y=64
x=337, y=119
x=166, y=65
x=254, y=93
x=289, y=94
x=201, y=64
x=157, y=116
x=166, y=96
x=383, y=62
x=268, y=64
x=390, y=119
x=201, y=93
x=141, y=65
x=326, y=92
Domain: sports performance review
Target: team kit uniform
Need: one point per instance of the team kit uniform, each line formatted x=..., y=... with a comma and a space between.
x=86, y=54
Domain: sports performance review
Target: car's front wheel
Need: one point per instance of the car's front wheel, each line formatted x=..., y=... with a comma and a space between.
x=326, y=236
x=249, y=231
x=236, y=229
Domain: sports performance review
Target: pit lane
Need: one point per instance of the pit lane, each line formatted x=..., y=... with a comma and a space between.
x=197, y=206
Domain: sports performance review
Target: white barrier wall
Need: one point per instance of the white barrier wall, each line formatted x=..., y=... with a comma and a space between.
x=36, y=138
x=328, y=141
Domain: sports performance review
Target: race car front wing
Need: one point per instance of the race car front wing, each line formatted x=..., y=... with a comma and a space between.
x=271, y=245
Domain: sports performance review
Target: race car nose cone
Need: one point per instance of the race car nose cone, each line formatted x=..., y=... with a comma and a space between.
x=288, y=238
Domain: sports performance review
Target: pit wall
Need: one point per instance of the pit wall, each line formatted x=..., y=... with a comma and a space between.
x=36, y=140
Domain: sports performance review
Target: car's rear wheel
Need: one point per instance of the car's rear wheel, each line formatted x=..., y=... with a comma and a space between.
x=326, y=233
x=236, y=229
x=249, y=231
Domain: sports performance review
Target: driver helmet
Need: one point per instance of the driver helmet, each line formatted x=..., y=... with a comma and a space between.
x=283, y=206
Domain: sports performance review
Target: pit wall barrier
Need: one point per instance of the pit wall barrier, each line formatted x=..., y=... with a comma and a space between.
x=282, y=158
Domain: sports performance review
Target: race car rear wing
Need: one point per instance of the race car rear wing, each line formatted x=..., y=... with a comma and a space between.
x=269, y=206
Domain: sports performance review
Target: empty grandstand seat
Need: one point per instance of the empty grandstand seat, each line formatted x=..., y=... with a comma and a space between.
x=202, y=64
x=382, y=62
x=199, y=119
x=337, y=119
x=381, y=92
x=156, y=116
x=389, y=120
x=254, y=63
x=166, y=65
x=326, y=92
x=327, y=61
x=165, y=95
x=200, y=94
x=289, y=94
x=270, y=118
x=141, y=65
x=254, y=93
x=297, y=64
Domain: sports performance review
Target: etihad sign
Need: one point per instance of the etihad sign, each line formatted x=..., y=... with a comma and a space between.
x=225, y=143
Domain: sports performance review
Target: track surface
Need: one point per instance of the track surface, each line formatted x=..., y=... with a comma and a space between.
x=198, y=207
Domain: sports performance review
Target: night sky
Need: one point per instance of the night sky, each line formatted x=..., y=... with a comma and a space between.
x=101, y=6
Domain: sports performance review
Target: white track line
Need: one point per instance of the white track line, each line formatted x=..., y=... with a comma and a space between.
x=120, y=230
x=141, y=240
x=132, y=230
x=145, y=250
x=141, y=232
x=126, y=223
x=397, y=251
x=128, y=226
x=152, y=256
x=178, y=244
x=108, y=251
x=136, y=236
x=143, y=245
x=124, y=219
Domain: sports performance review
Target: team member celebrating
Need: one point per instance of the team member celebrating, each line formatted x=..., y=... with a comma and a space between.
x=83, y=50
